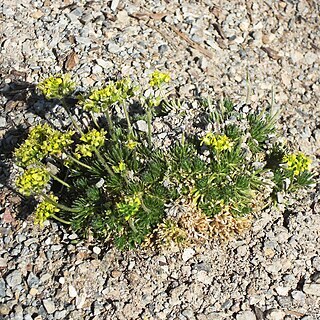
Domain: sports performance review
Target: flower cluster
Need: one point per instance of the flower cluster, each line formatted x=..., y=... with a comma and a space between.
x=93, y=140
x=297, y=163
x=120, y=168
x=45, y=210
x=129, y=207
x=158, y=78
x=32, y=181
x=57, y=87
x=101, y=99
x=41, y=142
x=218, y=142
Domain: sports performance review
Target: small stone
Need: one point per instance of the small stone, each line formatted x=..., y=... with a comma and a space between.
x=45, y=277
x=96, y=69
x=142, y=126
x=310, y=57
x=246, y=315
x=298, y=296
x=275, y=314
x=188, y=313
x=14, y=278
x=4, y=310
x=49, y=306
x=3, y=122
x=2, y=288
x=3, y=263
x=296, y=56
x=203, y=277
x=113, y=48
x=104, y=64
x=72, y=291
x=62, y=280
x=282, y=291
x=312, y=289
x=114, y=5
x=33, y=280
x=163, y=48
x=188, y=253
x=33, y=291
x=96, y=250
x=244, y=25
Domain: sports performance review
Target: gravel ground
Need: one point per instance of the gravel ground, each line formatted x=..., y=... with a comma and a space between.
x=210, y=48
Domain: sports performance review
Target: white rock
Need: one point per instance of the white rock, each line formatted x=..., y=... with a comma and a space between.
x=275, y=315
x=299, y=296
x=114, y=5
x=312, y=289
x=96, y=250
x=296, y=56
x=72, y=291
x=202, y=276
x=49, y=306
x=188, y=253
x=282, y=291
x=310, y=57
x=246, y=315
x=104, y=64
x=142, y=126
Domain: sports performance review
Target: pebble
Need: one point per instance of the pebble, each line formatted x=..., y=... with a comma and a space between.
x=142, y=126
x=96, y=250
x=312, y=289
x=114, y=48
x=275, y=314
x=246, y=315
x=188, y=253
x=49, y=306
x=14, y=278
x=72, y=291
x=3, y=122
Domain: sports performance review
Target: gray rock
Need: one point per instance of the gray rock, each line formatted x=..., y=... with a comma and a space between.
x=14, y=278
x=298, y=296
x=49, y=306
x=2, y=288
x=33, y=280
x=3, y=122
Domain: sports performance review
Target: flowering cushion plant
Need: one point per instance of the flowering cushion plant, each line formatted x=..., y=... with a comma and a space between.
x=120, y=187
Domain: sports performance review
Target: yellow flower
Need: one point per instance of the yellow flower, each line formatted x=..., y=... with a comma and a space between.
x=32, y=181
x=45, y=210
x=297, y=163
x=158, y=78
x=57, y=87
x=129, y=207
x=93, y=139
x=218, y=142
x=131, y=144
x=100, y=100
x=121, y=167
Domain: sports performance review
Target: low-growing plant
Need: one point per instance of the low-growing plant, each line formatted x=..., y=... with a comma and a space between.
x=108, y=179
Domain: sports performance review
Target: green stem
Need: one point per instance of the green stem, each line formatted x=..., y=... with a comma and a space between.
x=126, y=113
x=60, y=219
x=58, y=205
x=59, y=180
x=149, y=118
x=94, y=120
x=79, y=162
x=64, y=104
x=110, y=124
x=103, y=162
